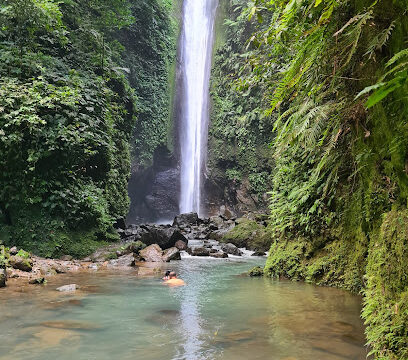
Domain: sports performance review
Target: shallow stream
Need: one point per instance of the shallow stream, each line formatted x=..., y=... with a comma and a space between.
x=218, y=315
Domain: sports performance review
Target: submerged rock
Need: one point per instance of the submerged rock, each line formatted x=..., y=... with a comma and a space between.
x=68, y=288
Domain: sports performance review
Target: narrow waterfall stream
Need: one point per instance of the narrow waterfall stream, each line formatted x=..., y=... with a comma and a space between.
x=196, y=45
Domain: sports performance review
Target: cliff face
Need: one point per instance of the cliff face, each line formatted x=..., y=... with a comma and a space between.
x=324, y=83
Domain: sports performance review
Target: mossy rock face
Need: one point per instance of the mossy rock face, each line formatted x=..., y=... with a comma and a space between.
x=248, y=234
x=386, y=297
x=256, y=271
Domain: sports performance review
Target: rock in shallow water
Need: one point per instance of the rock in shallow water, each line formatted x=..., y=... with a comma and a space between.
x=200, y=251
x=68, y=288
x=231, y=249
x=153, y=253
x=3, y=278
x=171, y=254
x=219, y=255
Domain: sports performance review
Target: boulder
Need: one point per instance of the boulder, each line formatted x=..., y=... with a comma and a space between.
x=200, y=251
x=68, y=288
x=37, y=281
x=21, y=263
x=165, y=237
x=219, y=255
x=3, y=278
x=258, y=253
x=171, y=254
x=181, y=245
x=186, y=220
x=152, y=253
x=231, y=249
x=13, y=250
x=123, y=261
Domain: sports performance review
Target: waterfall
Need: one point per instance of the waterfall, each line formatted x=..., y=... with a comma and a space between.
x=196, y=44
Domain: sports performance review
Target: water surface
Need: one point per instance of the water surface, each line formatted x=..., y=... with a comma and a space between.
x=218, y=315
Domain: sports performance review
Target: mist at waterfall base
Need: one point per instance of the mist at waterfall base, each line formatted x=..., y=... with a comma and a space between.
x=196, y=45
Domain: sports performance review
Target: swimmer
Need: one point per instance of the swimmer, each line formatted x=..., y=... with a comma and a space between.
x=173, y=280
x=166, y=275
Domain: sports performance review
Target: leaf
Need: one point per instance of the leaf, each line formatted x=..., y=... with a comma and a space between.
x=317, y=3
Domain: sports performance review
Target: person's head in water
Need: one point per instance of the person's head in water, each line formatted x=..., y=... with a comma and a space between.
x=172, y=275
x=167, y=275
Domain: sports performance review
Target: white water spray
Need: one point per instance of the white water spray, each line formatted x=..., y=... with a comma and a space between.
x=196, y=52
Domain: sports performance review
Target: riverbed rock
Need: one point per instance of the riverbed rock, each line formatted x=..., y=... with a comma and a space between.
x=258, y=253
x=231, y=249
x=68, y=288
x=37, y=281
x=186, y=220
x=200, y=251
x=218, y=255
x=21, y=263
x=123, y=261
x=165, y=237
x=171, y=254
x=181, y=245
x=152, y=253
x=3, y=278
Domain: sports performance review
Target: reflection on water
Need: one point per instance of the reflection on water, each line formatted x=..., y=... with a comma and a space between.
x=218, y=315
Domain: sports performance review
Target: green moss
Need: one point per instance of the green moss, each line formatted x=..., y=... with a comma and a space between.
x=256, y=271
x=249, y=234
x=386, y=295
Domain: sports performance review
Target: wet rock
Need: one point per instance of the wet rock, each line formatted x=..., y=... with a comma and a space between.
x=13, y=250
x=21, y=263
x=66, y=257
x=68, y=288
x=171, y=254
x=37, y=281
x=181, y=245
x=165, y=237
x=200, y=251
x=231, y=249
x=152, y=253
x=186, y=220
x=219, y=255
x=226, y=213
x=256, y=271
x=123, y=261
x=259, y=253
x=3, y=278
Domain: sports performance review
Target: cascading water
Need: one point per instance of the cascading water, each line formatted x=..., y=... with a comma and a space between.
x=195, y=66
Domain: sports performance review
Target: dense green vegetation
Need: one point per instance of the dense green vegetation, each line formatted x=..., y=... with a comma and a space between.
x=330, y=79
x=76, y=82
